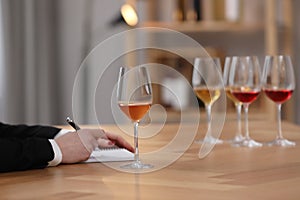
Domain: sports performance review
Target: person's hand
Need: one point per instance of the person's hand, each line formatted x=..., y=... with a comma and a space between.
x=72, y=148
x=77, y=146
x=104, y=139
x=119, y=141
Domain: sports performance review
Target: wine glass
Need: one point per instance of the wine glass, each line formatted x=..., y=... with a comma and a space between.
x=279, y=84
x=245, y=85
x=238, y=105
x=134, y=96
x=207, y=87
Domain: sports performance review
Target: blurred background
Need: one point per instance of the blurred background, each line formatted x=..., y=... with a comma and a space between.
x=44, y=42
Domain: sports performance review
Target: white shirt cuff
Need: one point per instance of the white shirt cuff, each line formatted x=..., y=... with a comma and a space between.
x=61, y=132
x=57, y=154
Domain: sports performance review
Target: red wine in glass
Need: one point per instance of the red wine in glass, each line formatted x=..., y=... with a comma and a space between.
x=246, y=97
x=245, y=85
x=278, y=83
x=279, y=96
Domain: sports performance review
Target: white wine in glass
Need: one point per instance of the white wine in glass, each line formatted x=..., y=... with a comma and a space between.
x=238, y=105
x=207, y=96
x=207, y=87
x=134, y=95
x=279, y=84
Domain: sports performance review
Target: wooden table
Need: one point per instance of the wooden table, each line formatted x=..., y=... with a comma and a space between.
x=227, y=173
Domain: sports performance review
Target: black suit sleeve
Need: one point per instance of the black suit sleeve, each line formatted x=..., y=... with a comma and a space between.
x=25, y=147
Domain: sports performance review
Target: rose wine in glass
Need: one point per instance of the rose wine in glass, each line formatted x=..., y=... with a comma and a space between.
x=279, y=84
x=238, y=105
x=245, y=85
x=207, y=87
x=135, y=111
x=134, y=95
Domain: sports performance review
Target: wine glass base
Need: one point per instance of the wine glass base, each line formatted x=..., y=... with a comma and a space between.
x=137, y=165
x=249, y=143
x=210, y=139
x=236, y=140
x=281, y=142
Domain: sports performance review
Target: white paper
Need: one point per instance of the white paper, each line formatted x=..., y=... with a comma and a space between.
x=110, y=155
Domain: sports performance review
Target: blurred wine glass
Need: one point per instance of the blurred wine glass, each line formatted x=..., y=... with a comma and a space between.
x=245, y=85
x=207, y=87
x=279, y=84
x=238, y=105
x=134, y=95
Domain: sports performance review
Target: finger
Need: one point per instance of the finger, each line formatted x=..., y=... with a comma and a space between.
x=119, y=141
x=104, y=143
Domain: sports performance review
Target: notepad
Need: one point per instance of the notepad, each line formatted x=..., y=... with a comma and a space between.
x=110, y=155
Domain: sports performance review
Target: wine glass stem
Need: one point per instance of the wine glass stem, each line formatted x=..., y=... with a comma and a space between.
x=238, y=116
x=246, y=108
x=136, y=142
x=279, y=134
x=208, y=113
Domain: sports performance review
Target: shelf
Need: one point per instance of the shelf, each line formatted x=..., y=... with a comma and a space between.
x=205, y=26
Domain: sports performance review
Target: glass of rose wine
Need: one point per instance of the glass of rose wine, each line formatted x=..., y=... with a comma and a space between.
x=238, y=105
x=207, y=87
x=279, y=84
x=245, y=85
x=134, y=96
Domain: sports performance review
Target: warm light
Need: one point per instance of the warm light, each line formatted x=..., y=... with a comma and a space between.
x=129, y=15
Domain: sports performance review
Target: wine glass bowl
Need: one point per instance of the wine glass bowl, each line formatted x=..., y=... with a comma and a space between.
x=279, y=95
x=207, y=87
x=278, y=85
x=134, y=96
x=135, y=111
x=245, y=95
x=245, y=85
x=207, y=96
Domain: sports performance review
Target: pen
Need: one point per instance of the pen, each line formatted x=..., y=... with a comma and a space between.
x=71, y=123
